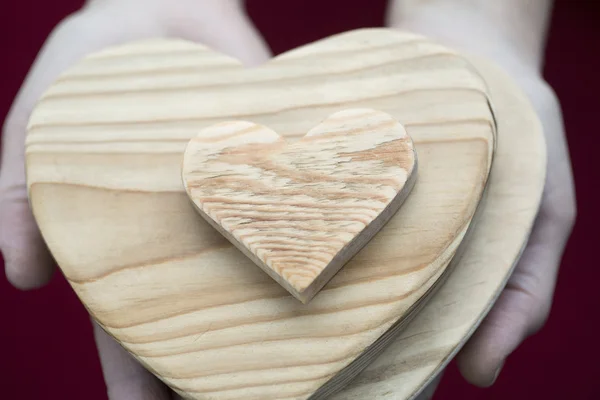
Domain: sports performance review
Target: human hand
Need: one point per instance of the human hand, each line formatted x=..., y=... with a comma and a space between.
x=511, y=33
x=220, y=24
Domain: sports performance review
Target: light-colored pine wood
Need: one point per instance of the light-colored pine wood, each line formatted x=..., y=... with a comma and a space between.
x=448, y=319
x=104, y=153
x=301, y=210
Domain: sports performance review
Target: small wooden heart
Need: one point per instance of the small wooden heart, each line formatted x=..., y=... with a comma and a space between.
x=300, y=211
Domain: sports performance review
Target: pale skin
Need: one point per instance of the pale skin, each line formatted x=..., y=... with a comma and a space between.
x=510, y=32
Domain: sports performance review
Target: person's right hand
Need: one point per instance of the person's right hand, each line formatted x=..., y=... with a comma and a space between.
x=512, y=34
x=219, y=24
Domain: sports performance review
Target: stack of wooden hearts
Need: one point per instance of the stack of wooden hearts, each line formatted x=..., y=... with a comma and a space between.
x=105, y=157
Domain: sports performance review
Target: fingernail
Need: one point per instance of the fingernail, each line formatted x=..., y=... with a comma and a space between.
x=497, y=373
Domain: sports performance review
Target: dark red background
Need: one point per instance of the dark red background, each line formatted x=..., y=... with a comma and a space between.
x=46, y=341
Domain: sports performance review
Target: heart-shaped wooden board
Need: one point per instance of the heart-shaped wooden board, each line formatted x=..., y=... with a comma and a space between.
x=300, y=211
x=421, y=351
x=104, y=153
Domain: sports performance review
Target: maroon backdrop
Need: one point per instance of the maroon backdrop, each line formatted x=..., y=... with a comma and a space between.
x=46, y=341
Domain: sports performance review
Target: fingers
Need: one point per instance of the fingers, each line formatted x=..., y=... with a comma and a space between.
x=28, y=263
x=523, y=306
x=125, y=378
x=219, y=24
x=507, y=325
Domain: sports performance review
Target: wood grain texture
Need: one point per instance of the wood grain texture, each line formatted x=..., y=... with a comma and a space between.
x=449, y=318
x=300, y=211
x=104, y=152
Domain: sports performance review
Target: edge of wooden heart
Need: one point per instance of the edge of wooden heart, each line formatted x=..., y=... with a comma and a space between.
x=480, y=64
x=350, y=249
x=391, y=366
x=372, y=352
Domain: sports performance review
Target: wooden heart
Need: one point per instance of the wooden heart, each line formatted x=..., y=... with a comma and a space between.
x=300, y=211
x=104, y=153
x=513, y=195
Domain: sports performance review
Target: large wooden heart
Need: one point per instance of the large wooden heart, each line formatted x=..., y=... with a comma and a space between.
x=104, y=153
